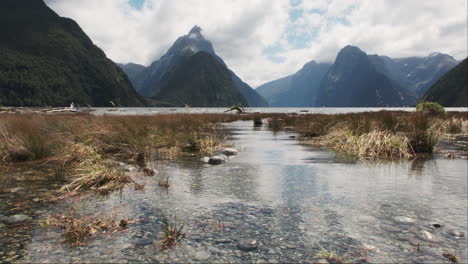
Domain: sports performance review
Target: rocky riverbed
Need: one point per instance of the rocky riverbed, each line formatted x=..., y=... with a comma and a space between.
x=275, y=201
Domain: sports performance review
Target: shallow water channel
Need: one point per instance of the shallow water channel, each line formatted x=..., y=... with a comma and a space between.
x=296, y=201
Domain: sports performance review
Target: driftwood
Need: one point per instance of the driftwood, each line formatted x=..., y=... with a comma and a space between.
x=238, y=108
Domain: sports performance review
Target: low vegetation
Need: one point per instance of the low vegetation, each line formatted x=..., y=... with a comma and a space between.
x=374, y=135
x=77, y=230
x=87, y=148
x=172, y=233
x=431, y=108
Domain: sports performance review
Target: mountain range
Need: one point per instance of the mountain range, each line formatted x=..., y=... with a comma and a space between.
x=190, y=73
x=360, y=80
x=452, y=89
x=47, y=60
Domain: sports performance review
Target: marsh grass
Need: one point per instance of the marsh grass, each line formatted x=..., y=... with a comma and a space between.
x=172, y=233
x=78, y=229
x=375, y=135
x=84, y=145
x=333, y=257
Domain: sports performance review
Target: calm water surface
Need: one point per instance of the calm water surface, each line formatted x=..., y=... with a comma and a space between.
x=213, y=110
x=296, y=201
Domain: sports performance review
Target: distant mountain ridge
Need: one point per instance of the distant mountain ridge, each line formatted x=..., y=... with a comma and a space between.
x=403, y=81
x=150, y=80
x=353, y=81
x=299, y=89
x=47, y=60
x=452, y=89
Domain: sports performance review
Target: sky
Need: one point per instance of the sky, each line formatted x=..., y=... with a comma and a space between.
x=263, y=40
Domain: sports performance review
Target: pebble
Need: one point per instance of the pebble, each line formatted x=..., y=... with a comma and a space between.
x=223, y=241
x=202, y=255
x=247, y=244
x=230, y=152
x=404, y=220
x=144, y=241
x=15, y=219
x=427, y=236
x=455, y=233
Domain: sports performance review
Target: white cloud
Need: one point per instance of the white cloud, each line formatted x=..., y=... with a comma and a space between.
x=241, y=30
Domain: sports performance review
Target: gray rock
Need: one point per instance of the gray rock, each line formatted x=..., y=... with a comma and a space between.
x=144, y=241
x=230, y=151
x=455, y=233
x=404, y=220
x=427, y=236
x=201, y=255
x=223, y=241
x=247, y=244
x=205, y=159
x=14, y=219
x=216, y=160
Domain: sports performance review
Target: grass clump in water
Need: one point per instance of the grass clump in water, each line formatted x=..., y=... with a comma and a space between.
x=333, y=257
x=172, y=233
x=78, y=229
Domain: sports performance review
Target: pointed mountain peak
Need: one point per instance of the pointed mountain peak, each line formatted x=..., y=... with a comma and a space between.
x=351, y=49
x=195, y=30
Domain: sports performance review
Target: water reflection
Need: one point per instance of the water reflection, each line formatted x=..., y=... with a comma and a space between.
x=294, y=199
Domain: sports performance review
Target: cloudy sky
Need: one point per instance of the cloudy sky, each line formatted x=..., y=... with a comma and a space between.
x=263, y=40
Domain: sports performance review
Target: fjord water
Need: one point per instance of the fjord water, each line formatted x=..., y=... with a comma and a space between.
x=219, y=110
x=295, y=200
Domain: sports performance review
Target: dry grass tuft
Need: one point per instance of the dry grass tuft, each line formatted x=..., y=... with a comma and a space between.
x=78, y=229
x=172, y=233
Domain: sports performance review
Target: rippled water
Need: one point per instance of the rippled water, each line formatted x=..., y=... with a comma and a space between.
x=295, y=200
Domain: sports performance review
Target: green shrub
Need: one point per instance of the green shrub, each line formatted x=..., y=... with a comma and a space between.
x=431, y=108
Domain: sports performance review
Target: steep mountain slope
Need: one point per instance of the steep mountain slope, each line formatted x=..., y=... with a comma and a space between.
x=299, y=90
x=415, y=74
x=48, y=60
x=132, y=70
x=452, y=89
x=199, y=80
x=353, y=81
x=149, y=81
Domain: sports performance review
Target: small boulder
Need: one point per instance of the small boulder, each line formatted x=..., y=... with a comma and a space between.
x=247, y=244
x=216, y=160
x=205, y=159
x=230, y=151
x=15, y=219
x=455, y=233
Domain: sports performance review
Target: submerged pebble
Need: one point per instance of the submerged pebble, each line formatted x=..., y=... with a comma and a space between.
x=247, y=244
x=455, y=233
x=15, y=219
x=404, y=220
